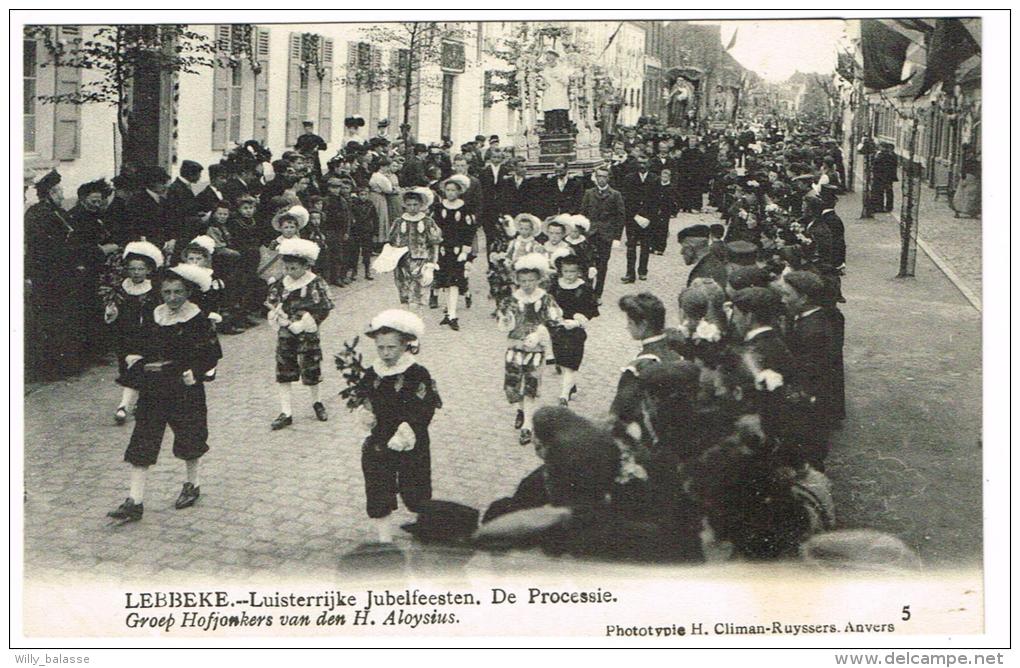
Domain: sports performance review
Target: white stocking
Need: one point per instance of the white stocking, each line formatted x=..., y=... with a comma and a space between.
x=452, y=297
x=567, y=382
x=138, y=474
x=285, y=405
x=191, y=466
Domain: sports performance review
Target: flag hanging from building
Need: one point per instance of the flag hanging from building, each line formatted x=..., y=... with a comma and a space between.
x=845, y=66
x=733, y=39
x=884, y=51
x=951, y=44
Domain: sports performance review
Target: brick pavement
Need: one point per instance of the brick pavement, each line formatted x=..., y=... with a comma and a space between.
x=291, y=502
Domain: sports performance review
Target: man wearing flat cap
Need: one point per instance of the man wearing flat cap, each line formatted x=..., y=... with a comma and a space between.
x=694, y=247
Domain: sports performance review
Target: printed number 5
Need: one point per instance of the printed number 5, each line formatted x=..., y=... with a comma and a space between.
x=906, y=612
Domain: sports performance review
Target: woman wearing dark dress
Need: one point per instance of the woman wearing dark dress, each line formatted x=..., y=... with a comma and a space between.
x=579, y=306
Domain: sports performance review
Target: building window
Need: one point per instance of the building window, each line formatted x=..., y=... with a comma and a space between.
x=30, y=76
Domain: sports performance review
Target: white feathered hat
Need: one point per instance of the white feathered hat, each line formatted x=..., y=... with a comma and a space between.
x=559, y=253
x=302, y=248
x=534, y=262
x=144, y=249
x=201, y=277
x=205, y=242
x=297, y=212
x=579, y=221
x=536, y=223
x=426, y=195
x=461, y=180
x=398, y=320
x=560, y=219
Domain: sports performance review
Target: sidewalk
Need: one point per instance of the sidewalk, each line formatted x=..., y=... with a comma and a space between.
x=954, y=244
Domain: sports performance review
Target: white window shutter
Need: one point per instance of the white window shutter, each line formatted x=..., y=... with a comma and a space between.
x=294, y=89
x=352, y=91
x=261, y=126
x=66, y=116
x=221, y=89
x=326, y=92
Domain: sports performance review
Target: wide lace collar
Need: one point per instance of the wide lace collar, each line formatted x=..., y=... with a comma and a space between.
x=402, y=365
x=136, y=289
x=534, y=297
x=292, y=284
x=165, y=318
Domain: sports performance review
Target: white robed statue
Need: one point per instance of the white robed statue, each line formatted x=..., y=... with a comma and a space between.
x=555, y=77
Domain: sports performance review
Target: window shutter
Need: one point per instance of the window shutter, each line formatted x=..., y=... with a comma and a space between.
x=67, y=117
x=294, y=90
x=221, y=89
x=352, y=91
x=375, y=96
x=326, y=92
x=261, y=127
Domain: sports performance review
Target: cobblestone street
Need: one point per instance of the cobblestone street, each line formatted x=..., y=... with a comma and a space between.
x=291, y=502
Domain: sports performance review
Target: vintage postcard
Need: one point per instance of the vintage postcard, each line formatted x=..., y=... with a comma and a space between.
x=457, y=328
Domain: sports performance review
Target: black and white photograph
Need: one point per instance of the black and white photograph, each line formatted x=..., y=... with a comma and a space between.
x=637, y=329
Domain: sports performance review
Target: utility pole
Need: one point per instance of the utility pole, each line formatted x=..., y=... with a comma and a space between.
x=868, y=151
x=909, y=207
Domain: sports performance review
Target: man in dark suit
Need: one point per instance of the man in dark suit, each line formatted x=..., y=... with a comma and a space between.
x=309, y=144
x=883, y=174
x=604, y=208
x=563, y=194
x=489, y=178
x=815, y=338
x=412, y=174
x=207, y=200
x=180, y=197
x=145, y=212
x=518, y=193
x=640, y=192
x=697, y=253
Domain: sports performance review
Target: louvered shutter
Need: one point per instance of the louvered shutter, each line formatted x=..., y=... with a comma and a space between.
x=326, y=92
x=294, y=90
x=375, y=95
x=66, y=116
x=351, y=90
x=260, y=131
x=221, y=89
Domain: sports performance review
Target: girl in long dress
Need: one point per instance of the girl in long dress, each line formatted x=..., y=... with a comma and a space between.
x=380, y=186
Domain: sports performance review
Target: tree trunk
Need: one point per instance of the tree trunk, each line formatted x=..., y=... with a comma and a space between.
x=412, y=46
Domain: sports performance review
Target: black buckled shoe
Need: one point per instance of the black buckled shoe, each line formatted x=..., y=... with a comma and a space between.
x=282, y=420
x=120, y=417
x=433, y=301
x=525, y=437
x=445, y=320
x=129, y=511
x=188, y=496
x=573, y=391
x=454, y=325
x=467, y=300
x=320, y=411
x=519, y=420
x=627, y=279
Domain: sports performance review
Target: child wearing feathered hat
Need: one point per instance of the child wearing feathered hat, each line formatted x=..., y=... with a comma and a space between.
x=416, y=231
x=129, y=308
x=526, y=318
x=168, y=364
x=400, y=399
x=457, y=228
x=577, y=229
x=298, y=303
x=579, y=305
x=523, y=229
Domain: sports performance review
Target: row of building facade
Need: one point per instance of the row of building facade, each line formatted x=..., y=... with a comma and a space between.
x=267, y=79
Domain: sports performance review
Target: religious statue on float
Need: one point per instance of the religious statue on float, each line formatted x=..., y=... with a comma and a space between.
x=554, y=82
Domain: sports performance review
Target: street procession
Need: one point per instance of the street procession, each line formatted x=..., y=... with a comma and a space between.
x=610, y=291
